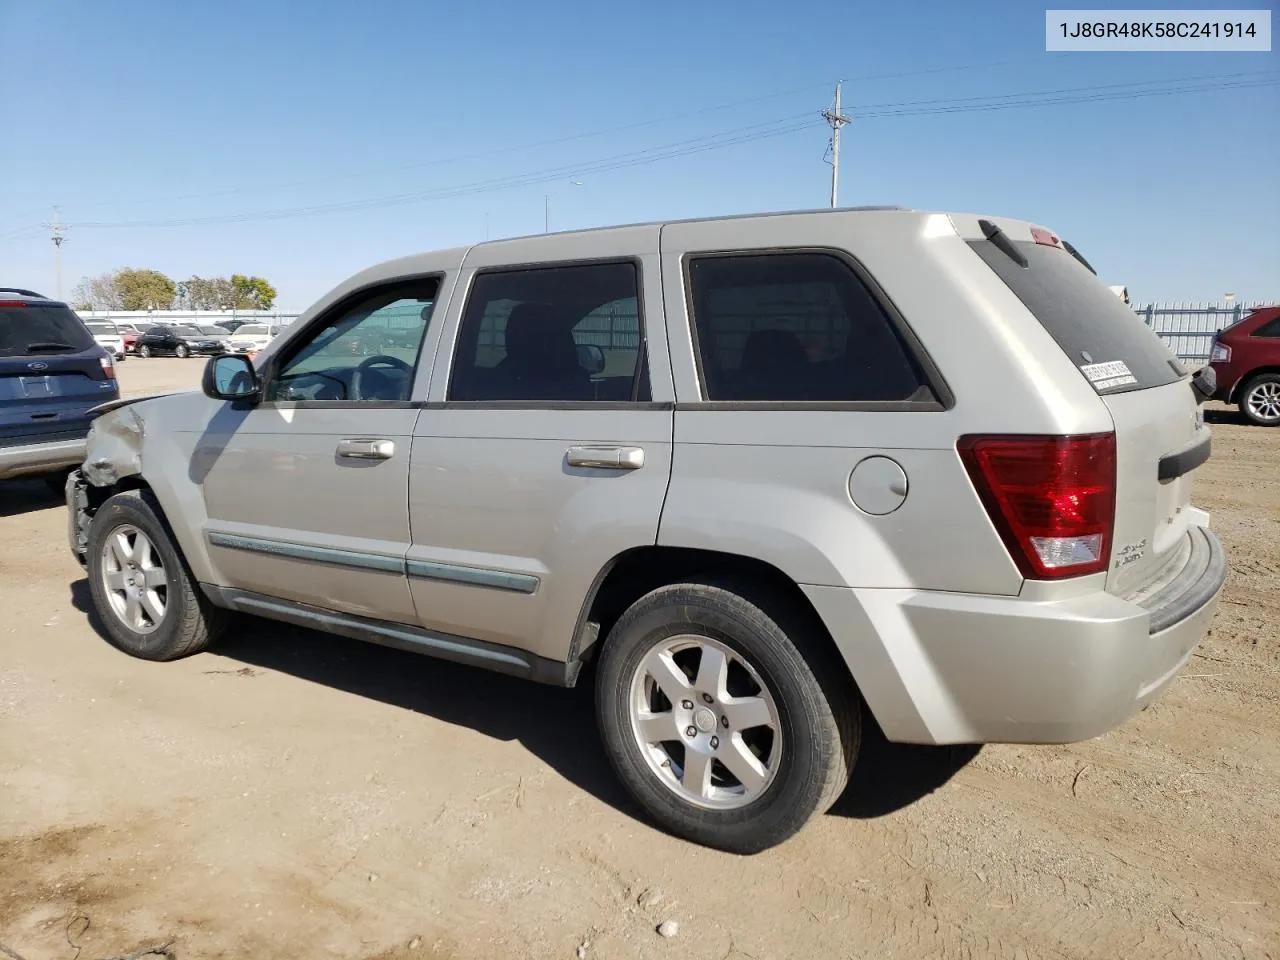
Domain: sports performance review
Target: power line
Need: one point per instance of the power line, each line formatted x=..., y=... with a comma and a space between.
x=752, y=133
x=607, y=131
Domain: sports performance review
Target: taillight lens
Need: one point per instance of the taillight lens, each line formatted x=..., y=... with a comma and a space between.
x=1220, y=353
x=1053, y=499
x=108, y=366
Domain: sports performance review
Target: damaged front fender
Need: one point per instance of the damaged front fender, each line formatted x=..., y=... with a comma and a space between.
x=113, y=449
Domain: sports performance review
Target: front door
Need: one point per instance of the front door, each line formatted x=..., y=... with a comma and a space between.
x=306, y=492
x=548, y=449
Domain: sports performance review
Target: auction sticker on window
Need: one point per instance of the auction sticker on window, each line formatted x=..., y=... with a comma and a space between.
x=1189, y=31
x=1105, y=376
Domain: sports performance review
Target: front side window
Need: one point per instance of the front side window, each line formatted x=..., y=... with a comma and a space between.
x=796, y=327
x=552, y=333
x=364, y=351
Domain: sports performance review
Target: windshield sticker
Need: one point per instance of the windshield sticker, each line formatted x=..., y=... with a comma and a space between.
x=1104, y=376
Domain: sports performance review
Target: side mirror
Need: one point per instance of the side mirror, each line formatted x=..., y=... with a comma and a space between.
x=230, y=377
x=590, y=358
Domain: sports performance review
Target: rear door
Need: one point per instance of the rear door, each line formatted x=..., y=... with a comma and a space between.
x=1160, y=433
x=546, y=449
x=51, y=373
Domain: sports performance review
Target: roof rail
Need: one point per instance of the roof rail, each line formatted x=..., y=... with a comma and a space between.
x=25, y=293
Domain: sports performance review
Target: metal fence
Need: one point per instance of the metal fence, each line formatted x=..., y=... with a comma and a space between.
x=1188, y=328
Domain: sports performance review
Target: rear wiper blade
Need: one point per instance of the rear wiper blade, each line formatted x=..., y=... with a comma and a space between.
x=51, y=345
x=1002, y=242
x=1076, y=253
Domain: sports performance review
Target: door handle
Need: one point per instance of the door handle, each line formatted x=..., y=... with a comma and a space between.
x=367, y=449
x=606, y=458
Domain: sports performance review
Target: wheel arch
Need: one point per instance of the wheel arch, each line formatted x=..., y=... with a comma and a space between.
x=1245, y=379
x=633, y=573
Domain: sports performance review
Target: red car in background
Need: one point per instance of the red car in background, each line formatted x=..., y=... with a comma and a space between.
x=1246, y=360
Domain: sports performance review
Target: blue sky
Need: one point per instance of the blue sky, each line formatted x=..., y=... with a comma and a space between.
x=160, y=111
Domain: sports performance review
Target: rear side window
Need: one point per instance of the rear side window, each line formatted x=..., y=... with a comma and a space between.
x=1115, y=350
x=563, y=333
x=1270, y=329
x=796, y=327
x=41, y=328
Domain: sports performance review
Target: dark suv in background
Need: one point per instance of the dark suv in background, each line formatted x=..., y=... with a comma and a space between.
x=1246, y=361
x=52, y=373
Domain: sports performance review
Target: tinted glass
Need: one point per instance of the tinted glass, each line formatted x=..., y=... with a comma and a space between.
x=1269, y=329
x=1089, y=322
x=367, y=351
x=41, y=329
x=251, y=331
x=554, y=333
x=185, y=332
x=796, y=327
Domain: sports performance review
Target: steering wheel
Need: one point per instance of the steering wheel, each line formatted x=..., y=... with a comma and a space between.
x=379, y=360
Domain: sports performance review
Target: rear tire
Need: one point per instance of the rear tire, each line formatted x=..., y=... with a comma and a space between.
x=1260, y=400
x=181, y=352
x=749, y=757
x=143, y=592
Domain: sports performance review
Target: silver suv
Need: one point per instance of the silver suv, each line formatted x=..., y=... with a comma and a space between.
x=754, y=471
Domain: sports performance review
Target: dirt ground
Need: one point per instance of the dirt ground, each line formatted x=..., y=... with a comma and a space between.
x=294, y=795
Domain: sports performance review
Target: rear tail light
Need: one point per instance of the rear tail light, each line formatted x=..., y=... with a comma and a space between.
x=1053, y=499
x=108, y=366
x=1220, y=353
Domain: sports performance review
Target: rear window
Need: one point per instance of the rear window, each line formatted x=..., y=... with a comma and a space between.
x=48, y=328
x=184, y=331
x=1115, y=350
x=251, y=331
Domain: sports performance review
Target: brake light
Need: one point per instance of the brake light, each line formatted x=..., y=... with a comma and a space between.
x=13, y=303
x=108, y=366
x=1220, y=353
x=1045, y=237
x=1053, y=499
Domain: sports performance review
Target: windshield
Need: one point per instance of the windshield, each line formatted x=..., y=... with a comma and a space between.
x=185, y=331
x=51, y=328
x=1115, y=350
x=102, y=329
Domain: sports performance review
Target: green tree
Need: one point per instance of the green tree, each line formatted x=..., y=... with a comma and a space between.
x=144, y=289
x=252, y=293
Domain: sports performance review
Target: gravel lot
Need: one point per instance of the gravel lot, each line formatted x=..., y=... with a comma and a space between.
x=294, y=795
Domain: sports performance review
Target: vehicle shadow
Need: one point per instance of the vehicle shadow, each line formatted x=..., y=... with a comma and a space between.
x=24, y=496
x=556, y=725
x=1224, y=415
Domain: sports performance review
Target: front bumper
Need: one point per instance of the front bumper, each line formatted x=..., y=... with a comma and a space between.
x=36, y=458
x=958, y=668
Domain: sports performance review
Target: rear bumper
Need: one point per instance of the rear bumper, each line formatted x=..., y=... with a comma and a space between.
x=36, y=458
x=957, y=668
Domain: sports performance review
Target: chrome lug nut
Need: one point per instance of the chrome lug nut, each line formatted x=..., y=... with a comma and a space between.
x=686, y=704
x=715, y=742
x=707, y=698
x=724, y=722
x=690, y=731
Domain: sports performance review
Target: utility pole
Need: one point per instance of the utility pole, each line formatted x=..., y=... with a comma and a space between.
x=837, y=120
x=58, y=241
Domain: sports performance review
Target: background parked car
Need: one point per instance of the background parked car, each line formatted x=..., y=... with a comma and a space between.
x=1246, y=360
x=131, y=331
x=52, y=372
x=215, y=332
x=108, y=335
x=252, y=337
x=178, y=341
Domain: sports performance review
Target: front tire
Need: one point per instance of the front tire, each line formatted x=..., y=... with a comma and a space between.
x=1260, y=400
x=141, y=587
x=181, y=351
x=144, y=351
x=723, y=730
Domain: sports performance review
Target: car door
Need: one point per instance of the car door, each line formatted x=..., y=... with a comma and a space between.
x=306, y=491
x=546, y=450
